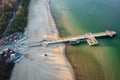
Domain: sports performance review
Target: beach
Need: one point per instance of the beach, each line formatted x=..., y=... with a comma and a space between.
x=37, y=66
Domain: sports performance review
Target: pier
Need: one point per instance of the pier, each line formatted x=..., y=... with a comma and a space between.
x=89, y=37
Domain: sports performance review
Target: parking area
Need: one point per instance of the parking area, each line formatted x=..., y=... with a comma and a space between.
x=12, y=38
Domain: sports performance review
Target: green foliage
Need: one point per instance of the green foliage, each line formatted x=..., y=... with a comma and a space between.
x=18, y=25
x=20, y=21
x=4, y=17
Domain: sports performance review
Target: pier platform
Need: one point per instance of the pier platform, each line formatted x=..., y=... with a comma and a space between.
x=89, y=37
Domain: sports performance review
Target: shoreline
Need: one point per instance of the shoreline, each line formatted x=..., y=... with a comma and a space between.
x=65, y=47
x=59, y=35
x=37, y=66
x=49, y=2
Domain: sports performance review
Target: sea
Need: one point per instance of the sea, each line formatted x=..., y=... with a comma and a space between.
x=78, y=17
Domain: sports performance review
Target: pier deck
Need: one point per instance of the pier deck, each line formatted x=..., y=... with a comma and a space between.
x=90, y=38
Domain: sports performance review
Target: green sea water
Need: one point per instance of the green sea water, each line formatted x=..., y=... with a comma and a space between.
x=75, y=17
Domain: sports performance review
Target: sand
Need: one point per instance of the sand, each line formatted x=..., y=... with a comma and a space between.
x=37, y=66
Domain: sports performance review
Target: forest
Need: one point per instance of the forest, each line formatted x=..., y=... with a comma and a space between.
x=7, y=10
x=11, y=9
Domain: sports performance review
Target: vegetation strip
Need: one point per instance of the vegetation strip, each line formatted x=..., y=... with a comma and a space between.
x=14, y=14
x=18, y=25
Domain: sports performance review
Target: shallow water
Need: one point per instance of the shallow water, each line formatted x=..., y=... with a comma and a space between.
x=75, y=17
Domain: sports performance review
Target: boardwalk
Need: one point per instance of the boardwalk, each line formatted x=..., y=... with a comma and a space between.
x=90, y=38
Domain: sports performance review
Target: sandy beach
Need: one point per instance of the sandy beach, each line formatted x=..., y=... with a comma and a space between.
x=37, y=66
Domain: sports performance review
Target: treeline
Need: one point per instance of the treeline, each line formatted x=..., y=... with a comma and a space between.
x=7, y=8
x=20, y=20
x=5, y=70
x=6, y=13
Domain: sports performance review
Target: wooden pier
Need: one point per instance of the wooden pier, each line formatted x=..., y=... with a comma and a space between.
x=90, y=38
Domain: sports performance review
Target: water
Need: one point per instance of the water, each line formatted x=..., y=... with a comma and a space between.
x=75, y=17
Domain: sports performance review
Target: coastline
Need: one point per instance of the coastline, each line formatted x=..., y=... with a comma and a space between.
x=64, y=46
x=93, y=62
x=52, y=15
x=37, y=66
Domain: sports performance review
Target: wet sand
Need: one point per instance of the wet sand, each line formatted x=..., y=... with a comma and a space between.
x=37, y=66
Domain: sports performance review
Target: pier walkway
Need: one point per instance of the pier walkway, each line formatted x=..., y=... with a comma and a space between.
x=90, y=38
